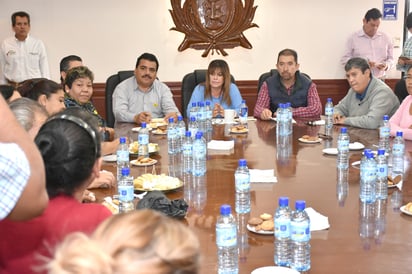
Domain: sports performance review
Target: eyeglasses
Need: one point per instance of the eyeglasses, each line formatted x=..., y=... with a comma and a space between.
x=408, y=77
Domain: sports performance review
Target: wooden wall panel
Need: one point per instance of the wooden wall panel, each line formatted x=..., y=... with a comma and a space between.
x=334, y=88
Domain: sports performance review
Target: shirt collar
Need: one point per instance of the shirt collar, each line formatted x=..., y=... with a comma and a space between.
x=363, y=94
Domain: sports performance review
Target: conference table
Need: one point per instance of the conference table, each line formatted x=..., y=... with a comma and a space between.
x=362, y=238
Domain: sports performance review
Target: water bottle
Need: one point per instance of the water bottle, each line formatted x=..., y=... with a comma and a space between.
x=282, y=232
x=242, y=236
x=199, y=193
x=243, y=113
x=398, y=151
x=199, y=155
x=289, y=114
x=384, y=134
x=343, y=149
x=193, y=126
x=123, y=156
x=226, y=241
x=181, y=130
x=382, y=175
x=380, y=220
x=366, y=223
x=282, y=121
x=342, y=189
x=209, y=116
x=329, y=117
x=300, y=237
x=193, y=110
x=201, y=116
x=143, y=139
x=368, y=179
x=242, y=186
x=187, y=149
x=172, y=137
x=126, y=191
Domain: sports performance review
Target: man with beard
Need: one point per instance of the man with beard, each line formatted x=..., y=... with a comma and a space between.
x=22, y=56
x=143, y=97
x=288, y=85
x=367, y=100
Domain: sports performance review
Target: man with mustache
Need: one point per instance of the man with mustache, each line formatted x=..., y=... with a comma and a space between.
x=288, y=85
x=22, y=56
x=143, y=97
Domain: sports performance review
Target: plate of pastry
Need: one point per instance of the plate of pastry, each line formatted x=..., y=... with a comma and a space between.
x=162, y=182
x=309, y=139
x=239, y=129
x=134, y=148
x=143, y=161
x=393, y=182
x=160, y=131
x=261, y=225
x=407, y=209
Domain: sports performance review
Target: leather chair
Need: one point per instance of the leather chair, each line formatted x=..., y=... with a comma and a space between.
x=111, y=84
x=189, y=82
x=266, y=75
x=400, y=90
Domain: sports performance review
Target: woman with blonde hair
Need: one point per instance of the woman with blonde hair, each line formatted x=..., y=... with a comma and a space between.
x=142, y=241
x=218, y=89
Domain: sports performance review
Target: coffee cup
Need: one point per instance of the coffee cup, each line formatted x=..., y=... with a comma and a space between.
x=230, y=116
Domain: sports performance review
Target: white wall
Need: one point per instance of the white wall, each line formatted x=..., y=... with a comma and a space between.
x=110, y=34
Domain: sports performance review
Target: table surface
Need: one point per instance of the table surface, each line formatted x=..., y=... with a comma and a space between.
x=353, y=244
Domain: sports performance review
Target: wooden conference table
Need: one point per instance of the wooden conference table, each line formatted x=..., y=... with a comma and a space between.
x=374, y=243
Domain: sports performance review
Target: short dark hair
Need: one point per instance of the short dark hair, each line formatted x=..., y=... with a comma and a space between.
x=19, y=14
x=148, y=56
x=373, y=14
x=69, y=143
x=43, y=86
x=357, y=62
x=65, y=63
x=76, y=73
x=6, y=91
x=409, y=21
x=288, y=52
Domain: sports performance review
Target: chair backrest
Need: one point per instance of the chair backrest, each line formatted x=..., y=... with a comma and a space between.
x=111, y=84
x=266, y=75
x=189, y=82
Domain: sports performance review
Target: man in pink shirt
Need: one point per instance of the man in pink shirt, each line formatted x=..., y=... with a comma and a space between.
x=371, y=44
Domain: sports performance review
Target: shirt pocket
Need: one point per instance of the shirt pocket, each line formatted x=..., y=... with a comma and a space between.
x=34, y=60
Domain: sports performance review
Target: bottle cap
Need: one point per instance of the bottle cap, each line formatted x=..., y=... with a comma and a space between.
x=283, y=201
x=199, y=135
x=194, y=104
x=300, y=205
x=192, y=118
x=343, y=130
x=201, y=104
x=242, y=162
x=370, y=155
x=225, y=209
x=171, y=120
x=122, y=140
x=180, y=118
x=381, y=151
x=207, y=103
x=385, y=117
x=243, y=101
x=188, y=134
x=125, y=171
x=143, y=125
x=329, y=100
x=399, y=133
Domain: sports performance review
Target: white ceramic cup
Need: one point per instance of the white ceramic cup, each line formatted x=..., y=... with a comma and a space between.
x=230, y=116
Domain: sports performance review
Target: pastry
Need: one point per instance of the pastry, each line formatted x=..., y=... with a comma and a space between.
x=255, y=221
x=267, y=225
x=265, y=216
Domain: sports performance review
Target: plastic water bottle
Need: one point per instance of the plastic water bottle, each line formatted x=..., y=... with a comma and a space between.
x=243, y=113
x=382, y=175
x=199, y=155
x=181, y=130
x=384, y=134
x=282, y=121
x=193, y=126
x=123, y=156
x=289, y=113
x=193, y=110
x=342, y=189
x=368, y=179
x=282, y=232
x=143, y=139
x=242, y=186
x=242, y=236
x=398, y=151
x=209, y=116
x=329, y=117
x=172, y=137
x=366, y=223
x=226, y=241
x=201, y=116
x=343, y=149
x=126, y=191
x=187, y=149
x=300, y=238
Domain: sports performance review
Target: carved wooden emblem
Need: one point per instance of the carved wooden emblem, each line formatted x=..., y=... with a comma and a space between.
x=213, y=25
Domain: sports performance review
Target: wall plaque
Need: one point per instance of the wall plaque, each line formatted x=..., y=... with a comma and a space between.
x=213, y=25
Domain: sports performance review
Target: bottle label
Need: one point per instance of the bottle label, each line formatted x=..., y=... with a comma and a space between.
x=384, y=132
x=226, y=236
x=382, y=171
x=143, y=139
x=300, y=231
x=398, y=149
x=199, y=151
x=242, y=182
x=171, y=133
x=282, y=228
x=187, y=149
x=369, y=173
x=122, y=156
x=343, y=145
x=328, y=111
x=126, y=193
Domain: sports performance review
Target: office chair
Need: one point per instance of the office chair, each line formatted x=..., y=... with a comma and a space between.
x=189, y=82
x=111, y=84
x=266, y=75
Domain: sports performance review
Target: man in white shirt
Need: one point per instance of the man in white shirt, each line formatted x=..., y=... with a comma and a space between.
x=22, y=56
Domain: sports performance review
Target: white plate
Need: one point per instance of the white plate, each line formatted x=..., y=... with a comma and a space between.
x=274, y=270
x=263, y=232
x=110, y=158
x=245, y=130
x=159, y=132
x=309, y=142
x=356, y=164
x=136, y=129
x=136, y=163
x=356, y=146
x=330, y=151
x=405, y=211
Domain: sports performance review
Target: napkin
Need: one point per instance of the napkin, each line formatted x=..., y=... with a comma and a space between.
x=221, y=145
x=318, y=123
x=262, y=176
x=317, y=220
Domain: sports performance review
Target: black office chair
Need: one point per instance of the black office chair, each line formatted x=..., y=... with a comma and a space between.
x=189, y=82
x=111, y=84
x=400, y=90
x=266, y=75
